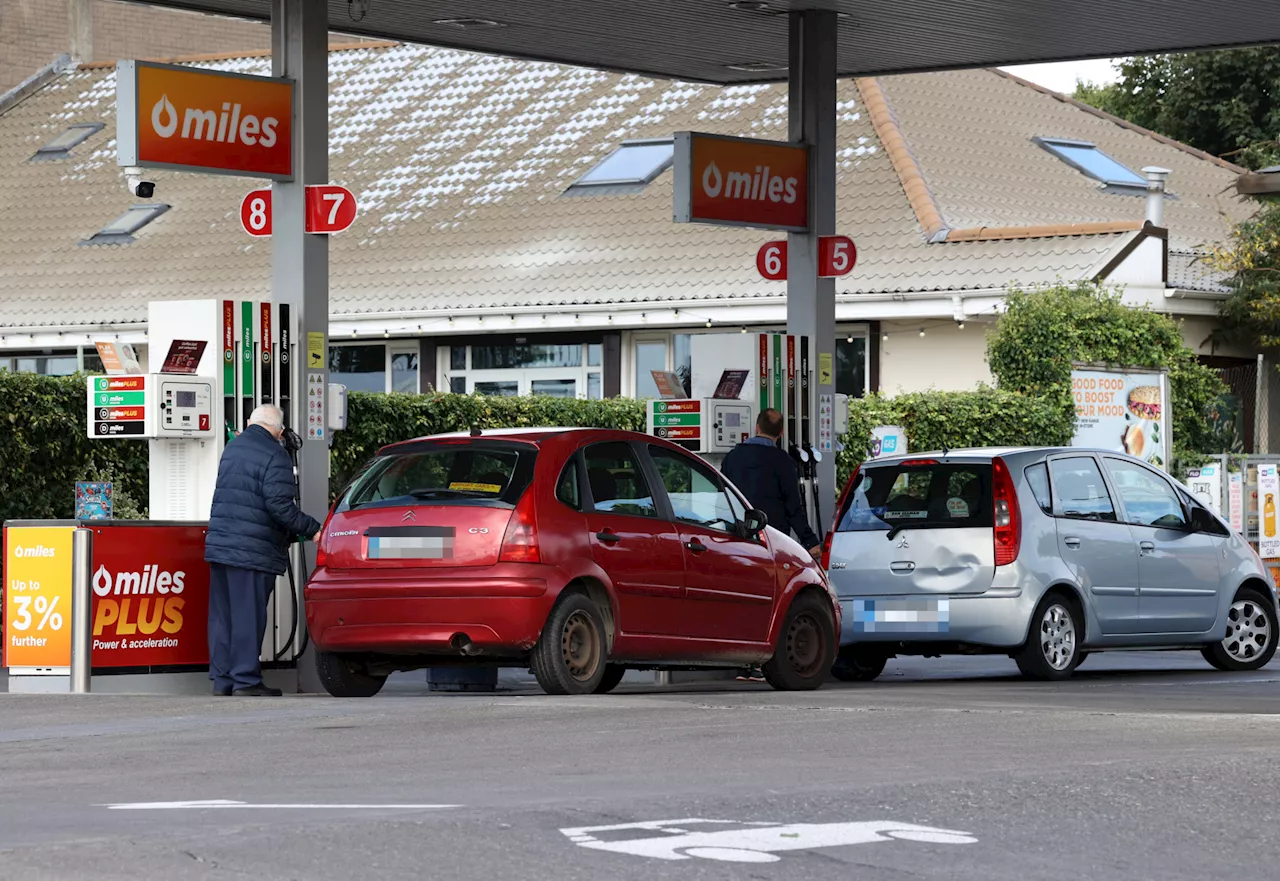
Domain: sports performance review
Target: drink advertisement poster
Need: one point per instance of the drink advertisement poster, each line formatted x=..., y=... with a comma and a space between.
x=1268, y=499
x=1125, y=411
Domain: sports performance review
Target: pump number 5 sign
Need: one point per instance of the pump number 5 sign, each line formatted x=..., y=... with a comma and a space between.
x=330, y=209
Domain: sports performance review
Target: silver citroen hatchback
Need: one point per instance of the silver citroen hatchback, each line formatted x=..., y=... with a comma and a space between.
x=1046, y=555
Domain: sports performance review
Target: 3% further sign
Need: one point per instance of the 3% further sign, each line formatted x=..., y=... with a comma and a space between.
x=330, y=209
x=37, y=595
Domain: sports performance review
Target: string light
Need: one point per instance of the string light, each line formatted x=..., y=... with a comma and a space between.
x=922, y=331
x=884, y=337
x=708, y=322
x=849, y=338
x=960, y=325
x=744, y=329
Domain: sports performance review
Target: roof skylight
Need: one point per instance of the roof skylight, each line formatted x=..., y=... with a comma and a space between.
x=1086, y=158
x=628, y=169
x=120, y=231
x=61, y=146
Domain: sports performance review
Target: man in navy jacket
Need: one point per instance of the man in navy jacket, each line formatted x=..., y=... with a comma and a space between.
x=253, y=521
x=767, y=477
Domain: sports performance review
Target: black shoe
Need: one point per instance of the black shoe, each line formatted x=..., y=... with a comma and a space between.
x=258, y=690
x=222, y=691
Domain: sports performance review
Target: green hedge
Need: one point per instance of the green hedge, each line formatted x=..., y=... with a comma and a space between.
x=44, y=450
x=986, y=417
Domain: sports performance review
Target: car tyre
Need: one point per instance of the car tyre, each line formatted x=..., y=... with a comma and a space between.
x=340, y=680
x=1251, y=635
x=1052, y=649
x=806, y=648
x=858, y=665
x=613, y=674
x=570, y=656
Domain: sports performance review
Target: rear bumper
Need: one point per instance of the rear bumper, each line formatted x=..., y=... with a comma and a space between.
x=997, y=618
x=501, y=613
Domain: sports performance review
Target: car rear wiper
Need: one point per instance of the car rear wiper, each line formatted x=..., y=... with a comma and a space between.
x=893, y=533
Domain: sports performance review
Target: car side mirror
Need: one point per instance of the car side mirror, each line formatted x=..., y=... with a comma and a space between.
x=754, y=522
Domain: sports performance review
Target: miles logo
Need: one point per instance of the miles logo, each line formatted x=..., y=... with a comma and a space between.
x=229, y=127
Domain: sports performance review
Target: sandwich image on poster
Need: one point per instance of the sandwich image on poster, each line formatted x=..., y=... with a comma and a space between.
x=1123, y=410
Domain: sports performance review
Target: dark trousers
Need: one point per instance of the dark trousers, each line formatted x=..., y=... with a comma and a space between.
x=237, y=623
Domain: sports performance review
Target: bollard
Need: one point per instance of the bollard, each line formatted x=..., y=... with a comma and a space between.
x=662, y=678
x=81, y=608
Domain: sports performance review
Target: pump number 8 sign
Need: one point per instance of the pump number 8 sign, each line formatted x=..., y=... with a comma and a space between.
x=255, y=213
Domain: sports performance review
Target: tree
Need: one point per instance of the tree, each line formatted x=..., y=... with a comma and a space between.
x=1045, y=330
x=1252, y=257
x=1225, y=102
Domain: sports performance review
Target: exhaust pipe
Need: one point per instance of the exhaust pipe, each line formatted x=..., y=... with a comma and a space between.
x=462, y=644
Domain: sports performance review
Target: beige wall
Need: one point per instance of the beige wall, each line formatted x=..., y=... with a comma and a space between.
x=32, y=34
x=945, y=358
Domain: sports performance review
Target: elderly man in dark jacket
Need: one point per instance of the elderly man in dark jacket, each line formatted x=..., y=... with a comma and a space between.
x=254, y=519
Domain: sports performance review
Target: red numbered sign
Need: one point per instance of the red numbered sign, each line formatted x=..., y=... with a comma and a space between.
x=330, y=209
x=771, y=260
x=255, y=213
x=836, y=256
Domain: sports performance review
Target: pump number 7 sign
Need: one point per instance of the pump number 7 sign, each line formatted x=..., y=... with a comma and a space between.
x=330, y=209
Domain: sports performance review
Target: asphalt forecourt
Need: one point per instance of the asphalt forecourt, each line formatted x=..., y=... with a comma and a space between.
x=1142, y=766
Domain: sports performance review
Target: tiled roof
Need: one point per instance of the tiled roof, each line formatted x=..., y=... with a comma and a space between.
x=1189, y=272
x=458, y=162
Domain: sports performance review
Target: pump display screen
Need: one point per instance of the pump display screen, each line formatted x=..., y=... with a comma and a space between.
x=185, y=399
x=733, y=420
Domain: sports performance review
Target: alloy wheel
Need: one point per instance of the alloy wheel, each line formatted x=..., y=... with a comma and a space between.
x=580, y=646
x=1058, y=637
x=1248, y=630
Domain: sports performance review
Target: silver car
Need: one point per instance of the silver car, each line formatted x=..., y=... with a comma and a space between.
x=1046, y=555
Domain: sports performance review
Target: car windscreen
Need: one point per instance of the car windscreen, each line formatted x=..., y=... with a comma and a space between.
x=918, y=495
x=488, y=474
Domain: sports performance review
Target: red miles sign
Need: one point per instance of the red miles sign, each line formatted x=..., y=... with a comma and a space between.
x=741, y=182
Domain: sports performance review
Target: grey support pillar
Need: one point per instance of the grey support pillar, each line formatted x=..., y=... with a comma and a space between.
x=811, y=301
x=300, y=262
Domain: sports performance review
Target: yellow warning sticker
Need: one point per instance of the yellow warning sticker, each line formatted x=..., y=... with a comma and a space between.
x=824, y=368
x=476, y=487
x=315, y=351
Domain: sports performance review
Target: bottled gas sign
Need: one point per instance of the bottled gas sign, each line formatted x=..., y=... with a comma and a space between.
x=741, y=182
x=203, y=120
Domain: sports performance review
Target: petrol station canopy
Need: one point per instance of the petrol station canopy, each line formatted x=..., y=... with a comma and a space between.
x=745, y=41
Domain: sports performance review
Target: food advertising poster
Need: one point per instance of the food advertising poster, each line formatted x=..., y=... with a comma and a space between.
x=1268, y=499
x=1123, y=410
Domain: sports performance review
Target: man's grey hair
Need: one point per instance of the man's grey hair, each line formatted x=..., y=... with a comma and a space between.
x=268, y=416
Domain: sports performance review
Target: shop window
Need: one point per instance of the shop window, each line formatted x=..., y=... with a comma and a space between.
x=525, y=356
x=650, y=356
x=359, y=368
x=404, y=372
x=594, y=391
x=457, y=357
x=45, y=363
x=595, y=354
x=458, y=385
x=503, y=389
x=556, y=388
x=851, y=366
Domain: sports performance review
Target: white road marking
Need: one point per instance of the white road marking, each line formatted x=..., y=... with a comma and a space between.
x=749, y=842
x=219, y=803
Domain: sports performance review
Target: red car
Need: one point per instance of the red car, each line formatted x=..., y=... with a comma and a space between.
x=578, y=553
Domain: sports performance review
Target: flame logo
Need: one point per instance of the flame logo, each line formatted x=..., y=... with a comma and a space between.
x=164, y=110
x=102, y=581
x=712, y=181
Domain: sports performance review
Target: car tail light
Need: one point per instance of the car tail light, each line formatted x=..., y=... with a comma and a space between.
x=1008, y=522
x=320, y=555
x=918, y=463
x=826, y=551
x=520, y=544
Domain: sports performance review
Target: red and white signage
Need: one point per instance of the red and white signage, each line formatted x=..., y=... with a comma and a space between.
x=211, y=121
x=330, y=209
x=150, y=596
x=837, y=256
x=741, y=182
x=255, y=213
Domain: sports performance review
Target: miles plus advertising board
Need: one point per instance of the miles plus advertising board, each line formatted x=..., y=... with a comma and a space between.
x=1125, y=411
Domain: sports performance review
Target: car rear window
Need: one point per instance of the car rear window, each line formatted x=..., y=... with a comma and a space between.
x=486, y=474
x=918, y=495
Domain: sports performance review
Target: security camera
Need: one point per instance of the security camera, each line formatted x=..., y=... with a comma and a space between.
x=140, y=187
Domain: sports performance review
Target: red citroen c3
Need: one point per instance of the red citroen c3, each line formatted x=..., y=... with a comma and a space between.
x=578, y=553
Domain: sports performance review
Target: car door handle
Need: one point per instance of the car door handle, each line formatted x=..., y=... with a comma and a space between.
x=1147, y=547
x=1071, y=541
x=695, y=546
x=608, y=536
